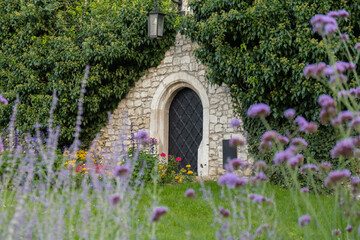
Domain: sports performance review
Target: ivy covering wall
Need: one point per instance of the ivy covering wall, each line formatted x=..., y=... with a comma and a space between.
x=46, y=44
x=260, y=48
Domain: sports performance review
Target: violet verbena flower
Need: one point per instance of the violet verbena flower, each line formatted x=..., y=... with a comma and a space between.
x=328, y=106
x=256, y=198
x=283, y=139
x=157, y=213
x=341, y=77
x=324, y=166
x=3, y=100
x=304, y=220
x=304, y=190
x=324, y=25
x=260, y=176
x=314, y=70
x=301, y=121
x=260, y=110
x=231, y=180
x=142, y=135
x=265, y=146
x=260, y=166
x=336, y=177
x=236, y=141
x=344, y=37
x=337, y=14
x=357, y=46
x=235, y=123
x=355, y=124
x=270, y=136
x=282, y=156
x=349, y=228
x=115, y=200
x=296, y=160
x=336, y=232
x=190, y=193
x=289, y=113
x=224, y=212
x=237, y=162
x=309, y=166
x=299, y=142
x=344, y=148
x=121, y=171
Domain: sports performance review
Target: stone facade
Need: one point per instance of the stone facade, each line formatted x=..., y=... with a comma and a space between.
x=147, y=105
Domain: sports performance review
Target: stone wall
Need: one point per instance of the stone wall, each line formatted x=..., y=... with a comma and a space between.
x=146, y=107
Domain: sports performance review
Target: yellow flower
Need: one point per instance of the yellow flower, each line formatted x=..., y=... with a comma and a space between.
x=176, y=177
x=188, y=166
x=190, y=172
x=180, y=180
x=183, y=170
x=160, y=167
x=162, y=175
x=65, y=163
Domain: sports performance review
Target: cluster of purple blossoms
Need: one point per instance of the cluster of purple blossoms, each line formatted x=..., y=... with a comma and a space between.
x=235, y=123
x=121, y=171
x=309, y=167
x=343, y=148
x=269, y=137
x=256, y=198
x=157, y=213
x=224, y=212
x=336, y=177
x=231, y=180
x=299, y=142
x=304, y=220
x=315, y=70
x=190, y=193
x=238, y=163
x=260, y=166
x=283, y=156
x=344, y=37
x=142, y=136
x=257, y=178
x=338, y=14
x=355, y=184
x=355, y=124
x=304, y=190
x=115, y=200
x=260, y=110
x=289, y=113
x=296, y=161
x=341, y=77
x=236, y=141
x=357, y=46
x=327, y=24
x=325, y=166
x=3, y=100
x=342, y=117
x=305, y=126
x=328, y=108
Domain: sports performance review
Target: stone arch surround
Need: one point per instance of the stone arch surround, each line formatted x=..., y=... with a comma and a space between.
x=147, y=103
x=159, y=117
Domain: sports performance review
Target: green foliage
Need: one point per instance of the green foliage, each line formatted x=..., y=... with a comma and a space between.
x=143, y=163
x=170, y=173
x=46, y=44
x=259, y=49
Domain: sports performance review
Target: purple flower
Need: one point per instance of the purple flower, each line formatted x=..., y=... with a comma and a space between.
x=314, y=70
x=265, y=146
x=157, y=213
x=328, y=71
x=142, y=135
x=336, y=176
x=304, y=220
x=282, y=156
x=289, y=113
x=259, y=198
x=309, y=166
x=283, y=139
x=341, y=66
x=301, y=121
x=357, y=46
x=337, y=14
x=115, y=200
x=299, y=142
x=325, y=166
x=341, y=77
x=260, y=110
x=260, y=229
x=236, y=141
x=121, y=171
x=235, y=123
x=260, y=176
x=190, y=193
x=270, y=136
x=260, y=165
x=296, y=160
x=349, y=228
x=236, y=163
x=3, y=100
x=304, y=190
x=326, y=101
x=344, y=37
x=355, y=124
x=311, y=127
x=224, y=212
x=344, y=148
x=231, y=180
x=343, y=94
x=323, y=24
x=336, y=232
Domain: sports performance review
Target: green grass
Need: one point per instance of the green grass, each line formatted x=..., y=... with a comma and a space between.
x=193, y=219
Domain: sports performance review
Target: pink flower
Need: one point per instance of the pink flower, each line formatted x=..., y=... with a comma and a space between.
x=260, y=110
x=178, y=159
x=163, y=155
x=158, y=212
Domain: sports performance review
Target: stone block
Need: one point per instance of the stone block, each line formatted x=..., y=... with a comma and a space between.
x=185, y=59
x=168, y=60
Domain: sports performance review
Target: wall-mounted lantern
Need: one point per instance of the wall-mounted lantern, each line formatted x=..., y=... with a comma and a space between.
x=156, y=22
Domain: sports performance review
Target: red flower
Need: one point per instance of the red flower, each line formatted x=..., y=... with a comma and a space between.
x=178, y=159
x=163, y=155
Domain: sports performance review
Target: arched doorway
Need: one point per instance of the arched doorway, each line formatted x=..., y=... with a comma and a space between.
x=186, y=127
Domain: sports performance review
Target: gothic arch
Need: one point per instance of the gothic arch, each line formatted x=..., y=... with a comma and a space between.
x=159, y=117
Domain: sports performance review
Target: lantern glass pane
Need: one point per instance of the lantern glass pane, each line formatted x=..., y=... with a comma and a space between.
x=161, y=25
x=153, y=21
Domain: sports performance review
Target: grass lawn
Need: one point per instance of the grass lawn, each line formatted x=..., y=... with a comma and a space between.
x=193, y=219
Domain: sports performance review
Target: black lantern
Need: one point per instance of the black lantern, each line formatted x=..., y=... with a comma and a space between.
x=156, y=25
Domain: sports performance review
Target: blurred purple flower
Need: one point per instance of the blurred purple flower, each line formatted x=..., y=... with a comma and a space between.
x=121, y=171
x=260, y=110
x=349, y=228
x=231, y=180
x=304, y=220
x=237, y=162
x=265, y=146
x=341, y=77
x=235, y=123
x=344, y=148
x=309, y=166
x=270, y=136
x=301, y=121
x=325, y=166
x=236, y=141
x=314, y=70
x=289, y=113
x=337, y=14
x=296, y=160
x=299, y=142
x=224, y=212
x=336, y=232
x=355, y=124
x=304, y=190
x=260, y=165
x=259, y=198
x=157, y=213
x=115, y=200
x=282, y=156
x=260, y=176
x=344, y=37
x=311, y=127
x=343, y=94
x=3, y=100
x=142, y=135
x=357, y=46
x=323, y=24
x=336, y=176
x=190, y=193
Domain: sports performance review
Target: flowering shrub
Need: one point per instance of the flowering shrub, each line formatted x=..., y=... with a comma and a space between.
x=169, y=171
